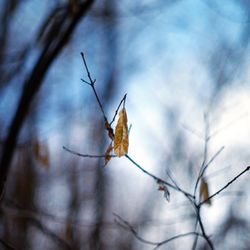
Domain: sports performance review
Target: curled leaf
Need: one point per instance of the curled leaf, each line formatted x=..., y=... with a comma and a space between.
x=204, y=191
x=110, y=131
x=108, y=154
x=163, y=187
x=121, y=142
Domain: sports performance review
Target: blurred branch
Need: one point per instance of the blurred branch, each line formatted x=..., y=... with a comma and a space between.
x=59, y=241
x=33, y=219
x=206, y=140
x=7, y=245
x=124, y=224
x=49, y=53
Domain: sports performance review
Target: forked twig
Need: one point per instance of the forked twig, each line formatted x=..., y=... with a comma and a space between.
x=123, y=223
x=196, y=203
x=92, y=85
x=224, y=187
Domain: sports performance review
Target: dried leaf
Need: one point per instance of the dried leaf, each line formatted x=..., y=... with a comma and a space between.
x=204, y=191
x=121, y=142
x=163, y=187
x=41, y=153
x=110, y=131
x=108, y=154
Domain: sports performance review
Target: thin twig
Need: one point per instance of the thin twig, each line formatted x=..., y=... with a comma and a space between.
x=92, y=85
x=206, y=139
x=177, y=237
x=123, y=100
x=157, y=179
x=123, y=223
x=224, y=187
x=86, y=155
x=191, y=199
x=206, y=166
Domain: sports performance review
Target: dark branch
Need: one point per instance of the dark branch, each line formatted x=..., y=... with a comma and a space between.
x=92, y=85
x=203, y=169
x=7, y=245
x=33, y=83
x=123, y=100
x=223, y=188
x=123, y=223
x=85, y=155
x=157, y=179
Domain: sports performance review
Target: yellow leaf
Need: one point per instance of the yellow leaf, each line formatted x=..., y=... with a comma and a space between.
x=204, y=191
x=41, y=153
x=121, y=134
x=107, y=154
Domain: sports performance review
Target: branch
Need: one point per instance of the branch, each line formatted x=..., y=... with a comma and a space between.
x=206, y=139
x=123, y=223
x=58, y=240
x=223, y=188
x=123, y=100
x=92, y=85
x=86, y=155
x=177, y=237
x=157, y=179
x=33, y=83
x=203, y=229
x=7, y=245
x=203, y=169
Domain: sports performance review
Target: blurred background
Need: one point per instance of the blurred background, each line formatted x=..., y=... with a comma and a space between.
x=184, y=65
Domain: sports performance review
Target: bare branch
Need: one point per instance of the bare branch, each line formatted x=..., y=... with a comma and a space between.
x=223, y=188
x=123, y=223
x=86, y=155
x=123, y=100
x=92, y=84
x=203, y=169
x=157, y=179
